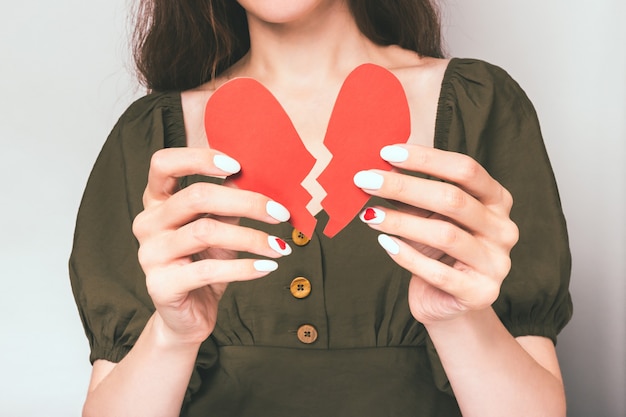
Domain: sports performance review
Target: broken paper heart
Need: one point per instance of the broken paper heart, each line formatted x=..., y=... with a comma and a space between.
x=245, y=121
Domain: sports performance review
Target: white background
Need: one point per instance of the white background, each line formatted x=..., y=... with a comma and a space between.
x=65, y=78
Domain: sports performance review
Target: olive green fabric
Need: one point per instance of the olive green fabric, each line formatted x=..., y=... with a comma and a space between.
x=371, y=356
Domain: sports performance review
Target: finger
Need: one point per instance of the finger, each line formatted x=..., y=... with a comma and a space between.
x=435, y=196
x=453, y=167
x=435, y=233
x=170, y=164
x=471, y=290
x=176, y=282
x=205, y=233
x=200, y=199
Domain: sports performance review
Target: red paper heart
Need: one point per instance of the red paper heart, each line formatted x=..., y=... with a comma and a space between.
x=245, y=121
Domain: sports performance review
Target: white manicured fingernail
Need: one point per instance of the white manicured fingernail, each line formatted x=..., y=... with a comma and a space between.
x=226, y=164
x=394, y=153
x=265, y=265
x=277, y=211
x=279, y=245
x=372, y=216
x=368, y=180
x=388, y=244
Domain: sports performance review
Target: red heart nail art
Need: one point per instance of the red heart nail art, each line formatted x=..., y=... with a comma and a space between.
x=281, y=243
x=245, y=121
x=370, y=214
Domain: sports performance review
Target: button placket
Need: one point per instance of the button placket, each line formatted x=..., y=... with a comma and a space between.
x=306, y=292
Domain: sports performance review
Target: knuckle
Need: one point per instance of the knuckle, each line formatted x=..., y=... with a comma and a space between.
x=447, y=235
x=509, y=234
x=204, y=271
x=490, y=293
x=197, y=195
x=159, y=160
x=145, y=198
x=507, y=198
x=440, y=276
x=138, y=227
x=506, y=267
x=143, y=255
x=502, y=267
x=155, y=287
x=149, y=254
x=467, y=169
x=513, y=233
x=454, y=199
x=486, y=293
x=202, y=229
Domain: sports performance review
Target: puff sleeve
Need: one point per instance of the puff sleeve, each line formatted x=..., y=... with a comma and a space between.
x=483, y=112
x=107, y=281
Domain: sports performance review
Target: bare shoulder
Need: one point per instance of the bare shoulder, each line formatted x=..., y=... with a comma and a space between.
x=422, y=84
x=424, y=79
x=194, y=103
x=423, y=70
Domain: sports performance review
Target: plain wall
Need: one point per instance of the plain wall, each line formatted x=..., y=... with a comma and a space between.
x=570, y=57
x=63, y=84
x=65, y=80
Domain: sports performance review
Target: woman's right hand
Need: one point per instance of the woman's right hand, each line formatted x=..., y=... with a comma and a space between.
x=189, y=240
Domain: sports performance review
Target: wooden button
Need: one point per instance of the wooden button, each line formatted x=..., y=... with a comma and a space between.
x=300, y=287
x=299, y=238
x=307, y=334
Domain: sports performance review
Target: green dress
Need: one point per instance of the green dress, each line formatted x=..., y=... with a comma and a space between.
x=362, y=354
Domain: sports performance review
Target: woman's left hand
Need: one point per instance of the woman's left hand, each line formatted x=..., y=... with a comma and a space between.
x=454, y=236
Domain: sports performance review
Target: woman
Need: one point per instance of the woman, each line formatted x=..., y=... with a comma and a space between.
x=423, y=324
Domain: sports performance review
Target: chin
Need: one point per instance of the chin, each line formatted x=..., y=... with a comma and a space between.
x=285, y=11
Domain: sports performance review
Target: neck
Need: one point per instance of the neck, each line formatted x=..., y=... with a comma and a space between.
x=306, y=54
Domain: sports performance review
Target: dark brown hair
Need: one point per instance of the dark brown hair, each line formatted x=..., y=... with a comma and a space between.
x=181, y=44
